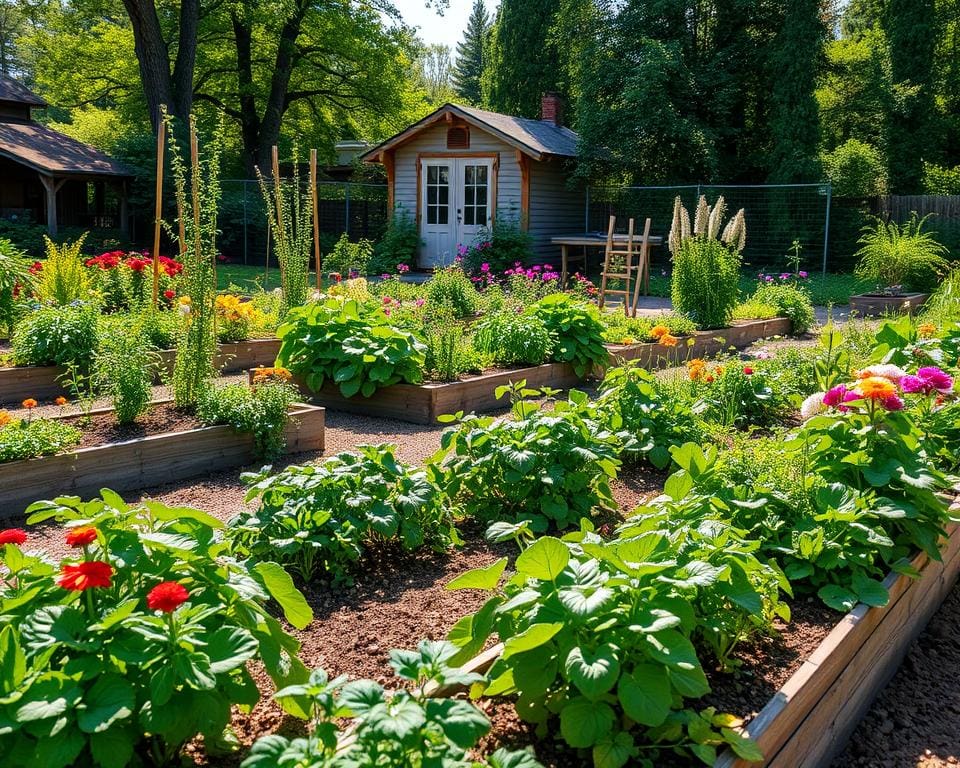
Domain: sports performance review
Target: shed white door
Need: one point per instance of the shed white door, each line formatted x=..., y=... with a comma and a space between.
x=456, y=205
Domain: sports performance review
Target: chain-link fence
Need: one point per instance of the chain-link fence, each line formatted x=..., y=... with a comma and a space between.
x=358, y=210
x=777, y=215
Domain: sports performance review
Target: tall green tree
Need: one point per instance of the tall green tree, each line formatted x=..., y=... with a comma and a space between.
x=468, y=69
x=796, y=55
x=522, y=62
x=912, y=31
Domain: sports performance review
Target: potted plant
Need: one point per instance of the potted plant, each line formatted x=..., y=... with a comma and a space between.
x=902, y=260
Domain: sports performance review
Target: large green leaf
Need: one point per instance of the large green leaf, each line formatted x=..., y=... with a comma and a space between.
x=113, y=748
x=592, y=671
x=480, y=578
x=110, y=699
x=281, y=588
x=462, y=722
x=614, y=752
x=584, y=723
x=545, y=559
x=532, y=637
x=229, y=647
x=645, y=694
x=13, y=662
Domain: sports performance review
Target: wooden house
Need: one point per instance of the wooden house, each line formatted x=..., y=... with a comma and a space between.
x=48, y=177
x=459, y=170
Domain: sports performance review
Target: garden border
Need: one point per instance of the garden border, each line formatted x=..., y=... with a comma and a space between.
x=42, y=381
x=145, y=461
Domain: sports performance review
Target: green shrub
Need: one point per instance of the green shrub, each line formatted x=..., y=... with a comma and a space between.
x=706, y=263
x=28, y=439
x=57, y=336
x=856, y=169
x=451, y=289
x=450, y=350
x=938, y=180
x=896, y=257
x=514, y=339
x=260, y=410
x=63, y=278
x=400, y=244
x=547, y=466
x=16, y=284
x=137, y=643
x=124, y=368
x=501, y=246
x=318, y=519
x=576, y=330
x=349, y=259
x=350, y=344
x=789, y=301
x=621, y=329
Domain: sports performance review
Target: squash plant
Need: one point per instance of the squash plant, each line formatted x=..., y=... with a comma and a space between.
x=350, y=343
x=403, y=728
x=576, y=329
x=598, y=637
x=317, y=519
x=137, y=642
x=548, y=465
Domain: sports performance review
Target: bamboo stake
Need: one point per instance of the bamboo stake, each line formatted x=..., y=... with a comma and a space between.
x=278, y=199
x=316, y=216
x=158, y=210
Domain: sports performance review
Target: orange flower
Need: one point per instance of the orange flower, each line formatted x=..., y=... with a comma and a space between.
x=5, y=418
x=926, y=330
x=877, y=388
x=659, y=331
x=29, y=403
x=61, y=401
x=696, y=368
x=82, y=536
x=668, y=340
x=86, y=575
x=709, y=379
x=260, y=375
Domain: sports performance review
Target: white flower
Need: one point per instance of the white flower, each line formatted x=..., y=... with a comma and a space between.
x=184, y=309
x=885, y=371
x=762, y=354
x=812, y=406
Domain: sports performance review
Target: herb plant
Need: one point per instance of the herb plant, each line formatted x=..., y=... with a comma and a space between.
x=124, y=368
x=451, y=289
x=351, y=344
x=514, y=339
x=576, y=330
x=28, y=439
x=136, y=642
x=260, y=410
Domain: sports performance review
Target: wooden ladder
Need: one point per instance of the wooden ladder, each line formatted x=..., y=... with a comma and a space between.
x=631, y=272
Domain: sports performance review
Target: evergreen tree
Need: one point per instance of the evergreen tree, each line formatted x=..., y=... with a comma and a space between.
x=468, y=69
x=522, y=62
x=912, y=32
x=795, y=59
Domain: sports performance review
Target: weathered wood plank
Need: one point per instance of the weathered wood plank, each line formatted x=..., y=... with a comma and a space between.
x=146, y=461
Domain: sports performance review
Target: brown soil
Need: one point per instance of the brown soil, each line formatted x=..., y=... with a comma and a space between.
x=162, y=417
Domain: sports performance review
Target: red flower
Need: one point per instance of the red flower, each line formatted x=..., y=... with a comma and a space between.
x=167, y=597
x=168, y=295
x=80, y=537
x=748, y=370
x=35, y=268
x=13, y=536
x=86, y=575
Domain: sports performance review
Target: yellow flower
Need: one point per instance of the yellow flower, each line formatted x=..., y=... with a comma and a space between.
x=627, y=340
x=184, y=300
x=876, y=388
x=926, y=330
x=659, y=331
x=668, y=340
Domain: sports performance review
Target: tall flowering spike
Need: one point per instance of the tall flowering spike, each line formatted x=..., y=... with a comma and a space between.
x=685, y=231
x=673, y=241
x=716, y=218
x=702, y=216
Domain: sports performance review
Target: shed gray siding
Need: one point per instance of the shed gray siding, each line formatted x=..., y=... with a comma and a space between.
x=555, y=207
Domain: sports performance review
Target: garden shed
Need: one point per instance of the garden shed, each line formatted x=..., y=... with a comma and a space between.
x=48, y=177
x=460, y=170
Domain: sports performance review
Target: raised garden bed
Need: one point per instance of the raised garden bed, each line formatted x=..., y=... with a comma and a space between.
x=872, y=305
x=144, y=461
x=705, y=343
x=43, y=382
x=423, y=403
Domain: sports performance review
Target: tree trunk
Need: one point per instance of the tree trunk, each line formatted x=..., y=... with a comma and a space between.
x=249, y=120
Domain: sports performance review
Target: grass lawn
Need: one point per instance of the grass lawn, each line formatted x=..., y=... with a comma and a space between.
x=249, y=278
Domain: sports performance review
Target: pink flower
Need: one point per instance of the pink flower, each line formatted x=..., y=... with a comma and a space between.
x=485, y=267
x=893, y=403
x=420, y=302
x=835, y=396
x=802, y=274
x=936, y=379
x=911, y=384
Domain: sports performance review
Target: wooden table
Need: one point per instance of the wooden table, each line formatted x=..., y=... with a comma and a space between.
x=595, y=240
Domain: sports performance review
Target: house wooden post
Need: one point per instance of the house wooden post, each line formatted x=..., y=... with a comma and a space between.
x=52, y=186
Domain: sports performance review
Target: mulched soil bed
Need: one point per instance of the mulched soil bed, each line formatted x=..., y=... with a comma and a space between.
x=162, y=417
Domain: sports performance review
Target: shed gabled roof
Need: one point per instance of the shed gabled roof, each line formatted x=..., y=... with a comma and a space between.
x=536, y=138
x=11, y=90
x=51, y=152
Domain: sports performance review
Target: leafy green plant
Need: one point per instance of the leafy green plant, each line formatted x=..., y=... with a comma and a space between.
x=63, y=278
x=28, y=439
x=17, y=281
x=451, y=351
x=514, y=339
x=789, y=301
x=349, y=259
x=400, y=728
x=124, y=368
x=620, y=329
x=398, y=246
x=57, y=336
x=550, y=466
x=895, y=257
x=506, y=243
x=451, y=289
x=576, y=330
x=737, y=395
x=318, y=519
x=630, y=404
x=261, y=410
x=598, y=638
x=706, y=262
x=139, y=640
x=350, y=344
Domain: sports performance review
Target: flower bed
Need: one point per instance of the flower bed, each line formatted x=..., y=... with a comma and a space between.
x=43, y=382
x=145, y=461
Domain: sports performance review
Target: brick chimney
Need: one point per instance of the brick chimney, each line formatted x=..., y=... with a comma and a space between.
x=551, y=108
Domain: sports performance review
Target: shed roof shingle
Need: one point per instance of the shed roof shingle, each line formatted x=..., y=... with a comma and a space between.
x=49, y=151
x=535, y=137
x=11, y=90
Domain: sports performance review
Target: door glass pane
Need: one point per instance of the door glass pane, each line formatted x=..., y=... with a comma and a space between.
x=468, y=195
x=432, y=174
x=444, y=212
x=481, y=195
x=481, y=174
x=481, y=214
x=432, y=214
x=438, y=194
x=444, y=174
x=468, y=216
x=444, y=195
x=469, y=175
x=431, y=195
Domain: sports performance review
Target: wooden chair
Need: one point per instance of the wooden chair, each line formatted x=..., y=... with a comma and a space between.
x=627, y=271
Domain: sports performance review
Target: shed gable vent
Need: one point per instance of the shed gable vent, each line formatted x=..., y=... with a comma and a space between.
x=458, y=137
